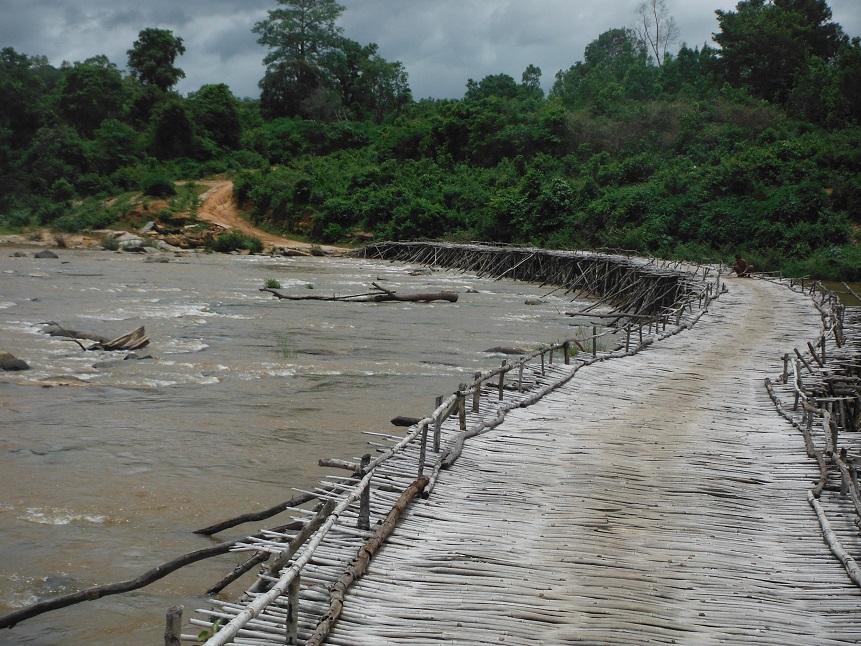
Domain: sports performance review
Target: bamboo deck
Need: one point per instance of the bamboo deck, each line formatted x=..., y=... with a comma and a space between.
x=645, y=492
x=656, y=498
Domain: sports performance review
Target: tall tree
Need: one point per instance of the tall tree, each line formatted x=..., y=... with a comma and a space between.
x=765, y=44
x=215, y=109
x=152, y=56
x=91, y=92
x=656, y=28
x=298, y=33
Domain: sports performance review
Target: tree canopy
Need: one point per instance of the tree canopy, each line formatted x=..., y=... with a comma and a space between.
x=751, y=145
x=152, y=57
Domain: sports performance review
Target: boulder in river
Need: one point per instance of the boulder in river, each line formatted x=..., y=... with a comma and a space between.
x=533, y=301
x=45, y=253
x=11, y=362
x=18, y=254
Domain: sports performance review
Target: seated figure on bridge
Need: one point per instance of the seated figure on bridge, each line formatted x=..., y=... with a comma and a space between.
x=741, y=267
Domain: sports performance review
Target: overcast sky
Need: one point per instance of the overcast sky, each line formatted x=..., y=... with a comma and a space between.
x=442, y=43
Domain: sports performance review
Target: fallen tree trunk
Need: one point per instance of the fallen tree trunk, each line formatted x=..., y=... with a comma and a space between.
x=55, y=329
x=379, y=296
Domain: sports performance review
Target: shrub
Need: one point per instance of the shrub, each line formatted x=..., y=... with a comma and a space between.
x=157, y=184
x=272, y=283
x=235, y=240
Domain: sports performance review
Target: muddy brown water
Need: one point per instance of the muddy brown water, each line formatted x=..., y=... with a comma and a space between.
x=106, y=465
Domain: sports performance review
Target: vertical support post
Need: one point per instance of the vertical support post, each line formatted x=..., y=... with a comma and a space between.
x=542, y=363
x=520, y=377
x=822, y=343
x=550, y=356
x=423, y=450
x=641, y=334
x=292, y=628
x=785, y=367
x=437, y=425
x=502, y=378
x=565, y=353
x=172, y=626
x=476, y=394
x=461, y=406
x=628, y=337
x=364, y=521
x=594, y=341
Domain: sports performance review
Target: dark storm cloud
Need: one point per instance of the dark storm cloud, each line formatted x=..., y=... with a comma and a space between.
x=442, y=43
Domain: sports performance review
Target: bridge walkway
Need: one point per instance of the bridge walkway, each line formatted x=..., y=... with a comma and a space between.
x=654, y=498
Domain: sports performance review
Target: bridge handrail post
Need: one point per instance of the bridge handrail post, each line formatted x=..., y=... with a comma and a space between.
x=173, y=626
x=292, y=628
x=476, y=393
x=461, y=406
x=437, y=425
x=364, y=520
x=502, y=377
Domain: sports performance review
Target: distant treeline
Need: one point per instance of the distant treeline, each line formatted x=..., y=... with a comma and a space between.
x=752, y=146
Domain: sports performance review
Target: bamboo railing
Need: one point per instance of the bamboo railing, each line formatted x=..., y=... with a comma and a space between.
x=823, y=381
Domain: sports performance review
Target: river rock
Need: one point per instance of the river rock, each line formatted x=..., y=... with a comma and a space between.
x=533, y=301
x=45, y=253
x=130, y=242
x=18, y=254
x=10, y=362
x=149, y=226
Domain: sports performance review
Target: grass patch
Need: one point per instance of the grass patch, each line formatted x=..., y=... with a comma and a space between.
x=272, y=283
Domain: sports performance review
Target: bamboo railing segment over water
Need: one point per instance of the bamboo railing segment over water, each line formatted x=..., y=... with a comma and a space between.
x=300, y=599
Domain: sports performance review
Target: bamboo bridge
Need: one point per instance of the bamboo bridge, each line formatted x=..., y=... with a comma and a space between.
x=685, y=473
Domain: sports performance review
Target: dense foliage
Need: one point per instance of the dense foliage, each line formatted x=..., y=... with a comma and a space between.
x=753, y=148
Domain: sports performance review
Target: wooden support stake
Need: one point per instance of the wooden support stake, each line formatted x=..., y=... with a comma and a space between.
x=476, y=394
x=292, y=629
x=364, y=520
x=627, y=338
x=822, y=343
x=437, y=425
x=785, y=367
x=594, y=341
x=173, y=626
x=423, y=450
x=565, y=353
x=520, y=377
x=814, y=354
x=502, y=378
x=461, y=407
x=641, y=334
x=542, y=363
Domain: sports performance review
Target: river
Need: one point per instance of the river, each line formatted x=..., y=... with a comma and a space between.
x=106, y=465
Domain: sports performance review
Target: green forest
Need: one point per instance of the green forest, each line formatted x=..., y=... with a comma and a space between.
x=750, y=144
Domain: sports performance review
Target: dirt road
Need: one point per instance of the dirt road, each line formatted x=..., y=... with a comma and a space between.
x=218, y=207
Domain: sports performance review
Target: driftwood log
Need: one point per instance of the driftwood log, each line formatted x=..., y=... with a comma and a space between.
x=154, y=574
x=377, y=295
x=134, y=340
